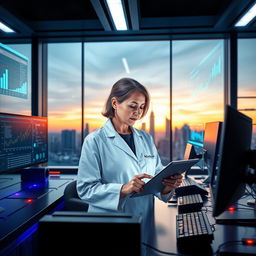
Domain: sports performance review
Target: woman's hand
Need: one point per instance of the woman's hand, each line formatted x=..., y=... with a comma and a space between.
x=171, y=183
x=135, y=185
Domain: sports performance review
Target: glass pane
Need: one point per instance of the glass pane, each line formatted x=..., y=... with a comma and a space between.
x=247, y=81
x=198, y=90
x=15, y=93
x=64, y=103
x=146, y=62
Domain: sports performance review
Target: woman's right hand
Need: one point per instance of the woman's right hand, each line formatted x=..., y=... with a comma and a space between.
x=135, y=185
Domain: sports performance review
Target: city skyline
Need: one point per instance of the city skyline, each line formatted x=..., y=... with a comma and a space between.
x=65, y=146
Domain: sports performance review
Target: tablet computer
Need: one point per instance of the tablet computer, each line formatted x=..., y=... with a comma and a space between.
x=155, y=185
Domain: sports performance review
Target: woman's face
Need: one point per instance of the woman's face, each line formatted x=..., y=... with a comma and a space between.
x=130, y=110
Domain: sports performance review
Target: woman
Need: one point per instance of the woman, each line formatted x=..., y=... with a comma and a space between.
x=116, y=158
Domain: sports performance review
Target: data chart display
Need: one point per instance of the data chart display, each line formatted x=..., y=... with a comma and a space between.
x=23, y=141
x=13, y=73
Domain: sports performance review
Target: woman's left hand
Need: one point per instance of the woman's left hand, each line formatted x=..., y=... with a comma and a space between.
x=171, y=183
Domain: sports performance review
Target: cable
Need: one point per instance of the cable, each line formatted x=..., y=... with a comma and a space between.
x=247, y=206
x=252, y=192
x=240, y=208
x=163, y=252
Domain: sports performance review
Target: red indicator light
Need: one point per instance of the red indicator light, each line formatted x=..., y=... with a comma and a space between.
x=232, y=208
x=29, y=201
x=54, y=172
x=249, y=241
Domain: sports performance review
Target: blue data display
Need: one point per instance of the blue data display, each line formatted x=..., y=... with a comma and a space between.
x=209, y=70
x=23, y=141
x=13, y=73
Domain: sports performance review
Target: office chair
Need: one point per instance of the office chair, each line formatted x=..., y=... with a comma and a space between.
x=71, y=199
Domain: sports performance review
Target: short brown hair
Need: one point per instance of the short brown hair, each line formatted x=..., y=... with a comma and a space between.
x=122, y=90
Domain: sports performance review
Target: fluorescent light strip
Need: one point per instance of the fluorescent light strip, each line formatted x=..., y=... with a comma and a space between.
x=248, y=16
x=117, y=13
x=126, y=67
x=6, y=29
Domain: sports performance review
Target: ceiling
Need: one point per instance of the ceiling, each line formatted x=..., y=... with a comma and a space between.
x=90, y=19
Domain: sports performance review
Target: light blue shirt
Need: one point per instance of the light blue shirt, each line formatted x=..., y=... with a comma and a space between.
x=107, y=162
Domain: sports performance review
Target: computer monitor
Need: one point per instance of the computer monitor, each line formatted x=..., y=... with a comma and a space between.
x=212, y=134
x=228, y=183
x=13, y=73
x=23, y=141
x=190, y=152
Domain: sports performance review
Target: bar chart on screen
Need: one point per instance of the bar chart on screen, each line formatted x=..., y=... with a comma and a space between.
x=13, y=73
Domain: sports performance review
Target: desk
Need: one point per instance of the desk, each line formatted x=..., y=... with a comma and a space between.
x=19, y=214
x=162, y=237
x=164, y=234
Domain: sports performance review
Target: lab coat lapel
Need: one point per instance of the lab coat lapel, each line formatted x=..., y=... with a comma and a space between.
x=118, y=141
x=138, y=142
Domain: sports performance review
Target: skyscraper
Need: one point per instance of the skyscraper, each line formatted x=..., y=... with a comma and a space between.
x=86, y=130
x=152, y=125
x=68, y=141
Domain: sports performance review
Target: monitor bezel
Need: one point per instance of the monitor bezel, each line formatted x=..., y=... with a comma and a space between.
x=216, y=151
x=16, y=169
x=225, y=194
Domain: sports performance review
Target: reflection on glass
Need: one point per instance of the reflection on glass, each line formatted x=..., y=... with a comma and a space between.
x=15, y=78
x=146, y=62
x=64, y=103
x=247, y=81
x=198, y=90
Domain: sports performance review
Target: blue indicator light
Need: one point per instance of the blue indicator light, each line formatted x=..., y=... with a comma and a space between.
x=27, y=233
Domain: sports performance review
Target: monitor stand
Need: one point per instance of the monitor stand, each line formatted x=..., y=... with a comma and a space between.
x=243, y=216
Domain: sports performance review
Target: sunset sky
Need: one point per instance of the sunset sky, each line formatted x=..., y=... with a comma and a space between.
x=197, y=80
x=148, y=62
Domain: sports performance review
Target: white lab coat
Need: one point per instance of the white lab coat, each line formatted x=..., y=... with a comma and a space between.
x=107, y=162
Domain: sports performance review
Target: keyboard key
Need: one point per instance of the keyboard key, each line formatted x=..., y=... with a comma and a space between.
x=190, y=203
x=193, y=228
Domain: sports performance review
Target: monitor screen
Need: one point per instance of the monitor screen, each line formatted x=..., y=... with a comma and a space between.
x=228, y=183
x=212, y=134
x=13, y=73
x=23, y=141
x=190, y=152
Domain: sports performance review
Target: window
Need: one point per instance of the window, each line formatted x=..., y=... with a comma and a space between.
x=64, y=103
x=247, y=81
x=146, y=62
x=197, y=90
x=15, y=93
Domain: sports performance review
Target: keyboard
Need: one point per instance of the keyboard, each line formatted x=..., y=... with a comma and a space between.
x=190, y=187
x=190, y=203
x=193, y=229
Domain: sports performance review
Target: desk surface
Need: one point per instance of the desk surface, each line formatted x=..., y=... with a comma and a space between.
x=164, y=236
x=21, y=206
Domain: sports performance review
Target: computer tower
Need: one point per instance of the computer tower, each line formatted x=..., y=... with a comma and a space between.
x=81, y=233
